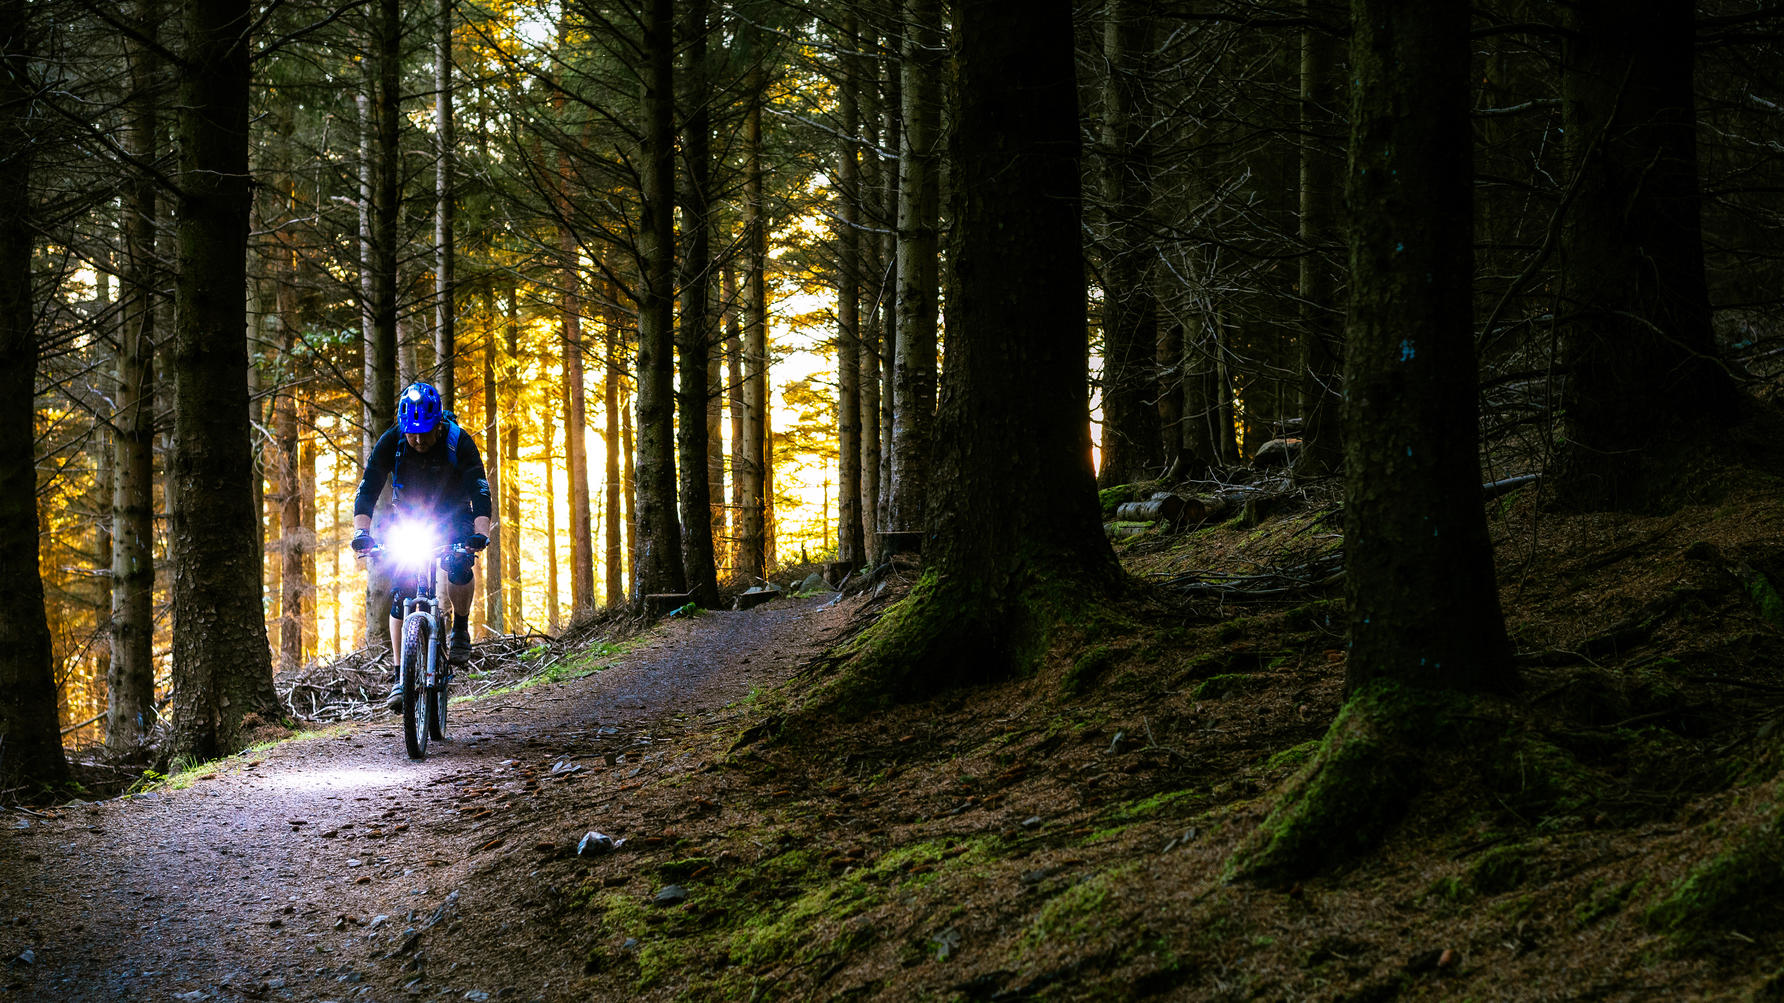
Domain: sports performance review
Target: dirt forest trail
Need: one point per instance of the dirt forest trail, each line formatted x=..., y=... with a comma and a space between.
x=336, y=868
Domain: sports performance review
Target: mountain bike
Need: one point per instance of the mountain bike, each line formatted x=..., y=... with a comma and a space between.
x=424, y=666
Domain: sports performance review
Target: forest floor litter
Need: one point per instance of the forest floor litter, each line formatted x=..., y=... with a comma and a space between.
x=645, y=828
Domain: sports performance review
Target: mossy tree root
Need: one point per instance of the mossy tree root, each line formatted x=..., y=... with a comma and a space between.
x=1740, y=888
x=1349, y=796
x=946, y=632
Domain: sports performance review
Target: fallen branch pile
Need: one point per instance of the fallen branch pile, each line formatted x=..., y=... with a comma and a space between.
x=353, y=686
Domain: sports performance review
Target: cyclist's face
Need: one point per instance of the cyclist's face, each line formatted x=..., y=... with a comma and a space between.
x=423, y=440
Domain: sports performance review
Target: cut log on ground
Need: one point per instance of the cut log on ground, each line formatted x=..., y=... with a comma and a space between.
x=659, y=603
x=1167, y=507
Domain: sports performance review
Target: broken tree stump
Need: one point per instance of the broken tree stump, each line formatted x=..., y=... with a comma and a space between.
x=836, y=571
x=754, y=597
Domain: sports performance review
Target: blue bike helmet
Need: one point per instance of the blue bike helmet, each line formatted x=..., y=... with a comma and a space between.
x=418, y=410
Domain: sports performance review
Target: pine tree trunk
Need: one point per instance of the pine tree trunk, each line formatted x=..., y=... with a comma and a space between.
x=715, y=436
x=222, y=668
x=381, y=169
x=752, y=538
x=1131, y=448
x=694, y=340
x=874, y=297
x=1169, y=360
x=1322, y=338
x=445, y=316
x=1638, y=352
x=919, y=204
x=494, y=570
x=290, y=508
x=1419, y=583
x=616, y=571
x=582, y=557
x=1013, y=520
x=659, y=531
x=28, y=722
x=849, y=541
x=873, y=291
x=628, y=484
x=512, y=528
x=306, y=496
x=551, y=547
x=131, y=681
x=892, y=139
x=734, y=402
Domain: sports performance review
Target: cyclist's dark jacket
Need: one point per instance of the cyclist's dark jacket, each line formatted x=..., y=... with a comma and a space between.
x=428, y=483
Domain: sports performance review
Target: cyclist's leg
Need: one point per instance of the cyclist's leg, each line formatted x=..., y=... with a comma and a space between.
x=397, y=595
x=460, y=587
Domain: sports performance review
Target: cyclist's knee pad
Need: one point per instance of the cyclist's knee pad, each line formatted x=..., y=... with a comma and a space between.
x=396, y=603
x=458, y=569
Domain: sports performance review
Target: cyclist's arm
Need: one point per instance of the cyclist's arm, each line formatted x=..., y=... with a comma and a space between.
x=474, y=480
x=377, y=471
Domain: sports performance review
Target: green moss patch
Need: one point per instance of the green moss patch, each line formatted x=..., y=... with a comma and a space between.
x=789, y=906
x=1355, y=788
x=1740, y=887
x=1215, y=687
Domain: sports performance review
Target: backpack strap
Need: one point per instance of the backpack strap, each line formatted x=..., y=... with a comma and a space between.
x=452, y=433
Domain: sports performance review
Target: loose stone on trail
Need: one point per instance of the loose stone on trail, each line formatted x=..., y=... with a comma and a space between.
x=671, y=895
x=595, y=844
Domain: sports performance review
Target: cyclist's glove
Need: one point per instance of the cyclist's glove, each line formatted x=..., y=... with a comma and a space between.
x=362, y=541
x=477, y=542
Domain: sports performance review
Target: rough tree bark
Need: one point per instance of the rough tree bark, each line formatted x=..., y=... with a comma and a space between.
x=658, y=559
x=30, y=743
x=551, y=548
x=445, y=316
x=582, y=567
x=1638, y=351
x=511, y=527
x=919, y=211
x=131, y=682
x=381, y=168
x=1014, y=530
x=849, y=541
x=1132, y=447
x=1419, y=583
x=752, y=558
x=1322, y=341
x=494, y=568
x=615, y=563
x=874, y=292
x=892, y=138
x=734, y=407
x=1422, y=605
x=223, y=680
x=694, y=340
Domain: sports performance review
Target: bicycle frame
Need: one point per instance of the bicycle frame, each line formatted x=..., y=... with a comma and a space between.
x=423, y=638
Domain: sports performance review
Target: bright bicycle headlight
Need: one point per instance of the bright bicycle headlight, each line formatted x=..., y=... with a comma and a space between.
x=412, y=544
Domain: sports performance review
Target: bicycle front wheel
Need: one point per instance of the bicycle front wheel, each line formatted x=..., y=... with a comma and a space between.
x=415, y=701
x=437, y=695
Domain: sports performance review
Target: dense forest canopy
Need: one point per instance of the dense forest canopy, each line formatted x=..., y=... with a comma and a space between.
x=683, y=271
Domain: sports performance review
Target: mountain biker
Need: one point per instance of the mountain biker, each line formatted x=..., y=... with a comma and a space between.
x=437, y=476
